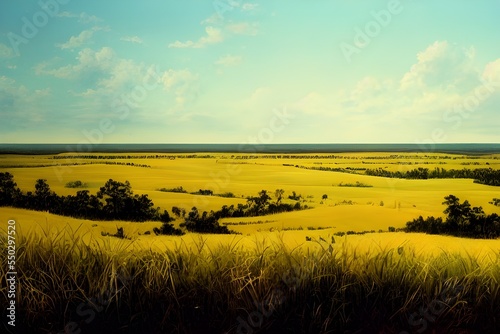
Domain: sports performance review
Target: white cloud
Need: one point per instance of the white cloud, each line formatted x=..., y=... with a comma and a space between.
x=213, y=36
x=5, y=51
x=7, y=83
x=249, y=6
x=182, y=83
x=18, y=104
x=259, y=101
x=177, y=79
x=442, y=78
x=106, y=73
x=43, y=92
x=243, y=28
x=444, y=65
x=491, y=72
x=312, y=103
x=101, y=83
x=366, y=87
x=132, y=39
x=88, y=61
x=86, y=18
x=109, y=77
x=66, y=14
x=229, y=60
x=83, y=17
x=214, y=19
x=253, y=109
x=260, y=94
x=77, y=41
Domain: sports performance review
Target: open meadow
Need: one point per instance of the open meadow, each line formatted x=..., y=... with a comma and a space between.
x=340, y=263
x=386, y=201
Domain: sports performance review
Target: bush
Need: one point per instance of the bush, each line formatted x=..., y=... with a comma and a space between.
x=173, y=190
x=204, y=223
x=76, y=184
x=205, y=192
x=295, y=197
x=227, y=195
x=167, y=229
x=356, y=185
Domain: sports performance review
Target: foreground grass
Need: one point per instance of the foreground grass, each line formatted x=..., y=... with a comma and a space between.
x=109, y=285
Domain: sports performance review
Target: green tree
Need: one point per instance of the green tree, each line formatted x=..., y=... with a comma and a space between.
x=176, y=211
x=44, y=198
x=9, y=192
x=457, y=214
x=258, y=204
x=83, y=205
x=115, y=196
x=204, y=223
x=279, y=195
x=167, y=227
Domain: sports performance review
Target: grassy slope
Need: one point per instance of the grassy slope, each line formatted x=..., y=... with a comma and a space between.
x=403, y=199
x=369, y=284
x=46, y=223
x=375, y=280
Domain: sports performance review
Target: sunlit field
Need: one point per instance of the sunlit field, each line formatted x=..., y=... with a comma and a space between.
x=289, y=271
x=388, y=202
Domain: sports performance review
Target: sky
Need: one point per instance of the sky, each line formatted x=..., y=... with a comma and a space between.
x=242, y=71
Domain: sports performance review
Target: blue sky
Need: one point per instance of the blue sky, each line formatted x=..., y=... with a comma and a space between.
x=232, y=71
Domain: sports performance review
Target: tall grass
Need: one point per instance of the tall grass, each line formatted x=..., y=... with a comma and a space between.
x=107, y=286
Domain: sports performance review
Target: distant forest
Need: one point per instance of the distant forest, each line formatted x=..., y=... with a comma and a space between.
x=486, y=176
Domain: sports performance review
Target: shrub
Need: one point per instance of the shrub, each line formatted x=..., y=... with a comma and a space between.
x=76, y=184
x=227, y=195
x=173, y=190
x=204, y=223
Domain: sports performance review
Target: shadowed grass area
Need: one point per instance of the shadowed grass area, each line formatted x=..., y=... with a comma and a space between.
x=103, y=286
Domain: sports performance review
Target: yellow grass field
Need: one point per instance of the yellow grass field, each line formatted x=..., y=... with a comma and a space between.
x=365, y=246
x=293, y=261
x=388, y=202
x=244, y=177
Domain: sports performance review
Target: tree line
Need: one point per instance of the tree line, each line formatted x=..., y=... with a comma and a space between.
x=260, y=205
x=461, y=220
x=114, y=201
x=487, y=176
x=128, y=156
